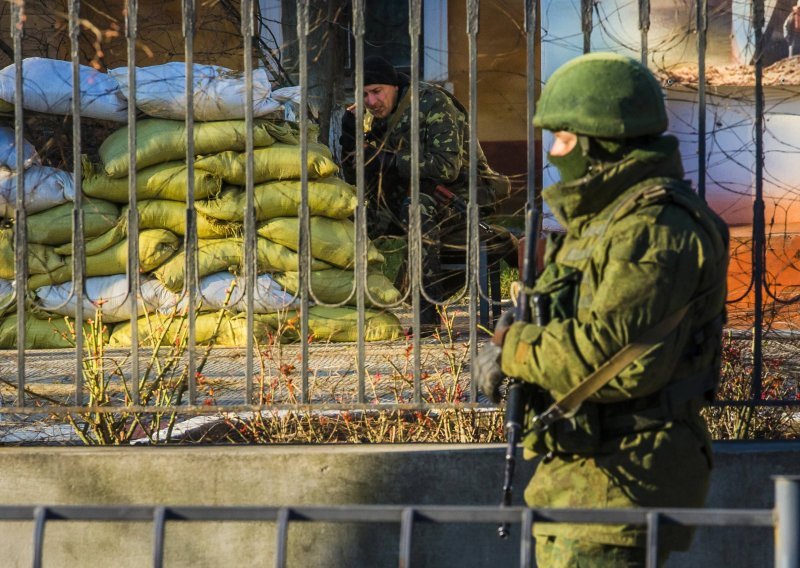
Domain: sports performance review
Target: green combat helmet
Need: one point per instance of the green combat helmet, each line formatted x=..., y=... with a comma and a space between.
x=602, y=95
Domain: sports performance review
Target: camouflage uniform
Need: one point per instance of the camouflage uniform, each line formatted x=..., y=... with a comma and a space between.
x=444, y=159
x=639, y=246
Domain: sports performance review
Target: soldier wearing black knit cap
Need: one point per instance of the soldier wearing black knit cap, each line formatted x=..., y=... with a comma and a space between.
x=443, y=161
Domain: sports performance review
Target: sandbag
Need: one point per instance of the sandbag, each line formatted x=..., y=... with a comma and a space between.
x=171, y=215
x=159, y=141
x=162, y=181
x=7, y=299
x=8, y=150
x=218, y=93
x=155, y=247
x=335, y=324
x=328, y=197
x=100, y=243
x=332, y=240
x=333, y=286
x=42, y=259
x=276, y=162
x=225, y=290
x=41, y=333
x=44, y=187
x=217, y=328
x=47, y=87
x=217, y=255
x=107, y=293
x=54, y=226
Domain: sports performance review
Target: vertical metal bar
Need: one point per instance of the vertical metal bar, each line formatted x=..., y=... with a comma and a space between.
x=78, y=247
x=415, y=229
x=190, y=240
x=131, y=15
x=282, y=536
x=249, y=240
x=758, y=206
x=406, y=533
x=20, y=215
x=531, y=7
x=653, y=524
x=159, y=528
x=702, y=33
x=526, y=539
x=586, y=24
x=39, y=521
x=361, y=211
x=787, y=521
x=644, y=28
x=304, y=246
x=474, y=261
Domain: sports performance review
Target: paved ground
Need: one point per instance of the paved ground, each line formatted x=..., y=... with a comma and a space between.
x=444, y=372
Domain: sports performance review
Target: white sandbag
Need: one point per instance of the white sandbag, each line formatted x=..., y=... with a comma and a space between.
x=108, y=292
x=45, y=187
x=287, y=94
x=47, y=87
x=7, y=296
x=8, y=150
x=216, y=288
x=219, y=93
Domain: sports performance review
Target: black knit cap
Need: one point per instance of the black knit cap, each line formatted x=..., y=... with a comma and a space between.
x=378, y=71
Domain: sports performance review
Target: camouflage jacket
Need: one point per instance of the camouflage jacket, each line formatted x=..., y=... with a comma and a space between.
x=639, y=246
x=444, y=144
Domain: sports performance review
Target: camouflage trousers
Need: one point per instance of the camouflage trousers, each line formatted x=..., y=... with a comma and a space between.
x=388, y=214
x=557, y=552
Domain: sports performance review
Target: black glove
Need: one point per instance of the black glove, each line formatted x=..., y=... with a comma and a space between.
x=348, y=137
x=487, y=371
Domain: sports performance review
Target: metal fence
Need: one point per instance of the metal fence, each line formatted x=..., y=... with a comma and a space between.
x=248, y=362
x=784, y=518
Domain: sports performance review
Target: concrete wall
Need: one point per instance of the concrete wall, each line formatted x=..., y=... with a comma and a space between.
x=321, y=475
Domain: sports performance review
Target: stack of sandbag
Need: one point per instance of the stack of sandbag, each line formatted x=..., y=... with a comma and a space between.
x=49, y=195
x=219, y=179
x=162, y=179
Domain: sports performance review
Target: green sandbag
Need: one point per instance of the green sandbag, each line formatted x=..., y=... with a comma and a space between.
x=334, y=285
x=51, y=333
x=279, y=161
x=327, y=197
x=155, y=247
x=171, y=215
x=289, y=133
x=332, y=240
x=100, y=243
x=159, y=140
x=217, y=255
x=335, y=324
x=42, y=259
x=54, y=226
x=163, y=181
x=210, y=328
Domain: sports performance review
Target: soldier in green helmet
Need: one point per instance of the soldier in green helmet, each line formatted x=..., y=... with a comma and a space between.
x=640, y=249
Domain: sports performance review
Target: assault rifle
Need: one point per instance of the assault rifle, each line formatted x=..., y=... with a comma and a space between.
x=445, y=197
x=515, y=390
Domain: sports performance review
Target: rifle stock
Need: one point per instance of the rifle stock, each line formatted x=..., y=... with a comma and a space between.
x=515, y=391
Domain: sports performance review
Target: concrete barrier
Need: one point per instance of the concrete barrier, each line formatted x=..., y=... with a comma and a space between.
x=301, y=475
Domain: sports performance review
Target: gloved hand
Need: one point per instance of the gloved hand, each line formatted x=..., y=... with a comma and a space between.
x=487, y=373
x=348, y=136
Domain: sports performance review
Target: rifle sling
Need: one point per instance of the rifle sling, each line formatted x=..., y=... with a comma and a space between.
x=571, y=402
